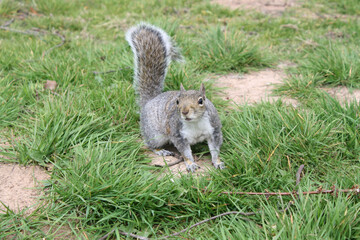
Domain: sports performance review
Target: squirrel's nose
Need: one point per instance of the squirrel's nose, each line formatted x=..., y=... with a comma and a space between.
x=185, y=112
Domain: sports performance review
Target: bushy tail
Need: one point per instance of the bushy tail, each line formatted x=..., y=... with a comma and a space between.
x=153, y=51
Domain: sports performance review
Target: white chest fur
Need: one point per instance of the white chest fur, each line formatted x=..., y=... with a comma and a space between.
x=198, y=131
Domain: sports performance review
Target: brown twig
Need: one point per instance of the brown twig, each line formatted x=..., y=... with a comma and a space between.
x=179, y=160
x=207, y=220
x=194, y=225
x=27, y=32
x=355, y=190
x=34, y=32
x=63, y=40
x=184, y=230
x=7, y=23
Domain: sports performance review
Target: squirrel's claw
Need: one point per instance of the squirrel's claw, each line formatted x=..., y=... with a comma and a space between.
x=219, y=165
x=192, y=167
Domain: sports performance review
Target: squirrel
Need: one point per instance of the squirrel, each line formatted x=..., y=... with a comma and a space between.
x=184, y=117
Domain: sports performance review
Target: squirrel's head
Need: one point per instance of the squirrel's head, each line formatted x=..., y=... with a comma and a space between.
x=191, y=104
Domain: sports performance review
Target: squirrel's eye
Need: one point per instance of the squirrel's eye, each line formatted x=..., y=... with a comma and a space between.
x=200, y=101
x=177, y=101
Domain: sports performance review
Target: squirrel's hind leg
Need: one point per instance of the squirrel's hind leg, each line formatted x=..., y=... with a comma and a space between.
x=156, y=143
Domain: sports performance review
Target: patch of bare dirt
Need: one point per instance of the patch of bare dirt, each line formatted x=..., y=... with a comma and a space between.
x=273, y=7
x=179, y=167
x=18, y=186
x=277, y=7
x=343, y=94
x=253, y=87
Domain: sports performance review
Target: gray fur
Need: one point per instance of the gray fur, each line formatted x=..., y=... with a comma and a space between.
x=174, y=117
x=153, y=51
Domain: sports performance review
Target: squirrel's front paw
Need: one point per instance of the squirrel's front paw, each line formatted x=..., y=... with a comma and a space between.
x=192, y=167
x=219, y=165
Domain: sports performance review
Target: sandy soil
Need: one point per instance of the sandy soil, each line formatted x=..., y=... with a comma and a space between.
x=343, y=94
x=180, y=168
x=252, y=88
x=18, y=186
x=273, y=7
x=277, y=7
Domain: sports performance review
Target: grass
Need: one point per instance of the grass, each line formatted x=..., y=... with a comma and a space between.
x=331, y=65
x=228, y=51
x=88, y=129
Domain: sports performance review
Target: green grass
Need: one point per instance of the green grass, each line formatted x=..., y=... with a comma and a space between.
x=88, y=128
x=227, y=51
x=332, y=65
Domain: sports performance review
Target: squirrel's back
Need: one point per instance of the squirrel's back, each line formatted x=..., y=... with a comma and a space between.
x=153, y=51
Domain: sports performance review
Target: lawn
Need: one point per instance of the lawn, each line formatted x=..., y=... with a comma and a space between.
x=87, y=129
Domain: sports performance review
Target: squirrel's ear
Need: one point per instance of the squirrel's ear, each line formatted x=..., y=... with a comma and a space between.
x=202, y=89
x=182, y=88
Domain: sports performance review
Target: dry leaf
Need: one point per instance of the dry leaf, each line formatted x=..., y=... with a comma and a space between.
x=33, y=11
x=50, y=85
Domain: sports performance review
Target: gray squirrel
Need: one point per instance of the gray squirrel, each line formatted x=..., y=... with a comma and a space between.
x=183, y=117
